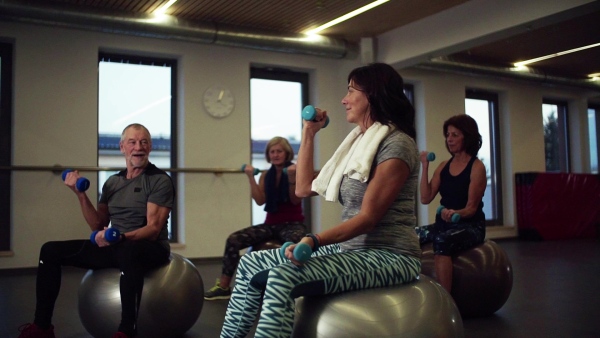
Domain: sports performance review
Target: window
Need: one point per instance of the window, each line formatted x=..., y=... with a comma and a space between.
x=6, y=76
x=554, y=115
x=593, y=127
x=483, y=107
x=133, y=89
x=277, y=97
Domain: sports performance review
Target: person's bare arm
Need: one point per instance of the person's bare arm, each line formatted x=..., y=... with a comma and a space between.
x=156, y=216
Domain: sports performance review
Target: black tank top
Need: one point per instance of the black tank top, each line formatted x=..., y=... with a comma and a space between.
x=455, y=191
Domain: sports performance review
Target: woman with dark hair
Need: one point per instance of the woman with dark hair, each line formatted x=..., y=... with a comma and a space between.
x=284, y=220
x=461, y=182
x=374, y=175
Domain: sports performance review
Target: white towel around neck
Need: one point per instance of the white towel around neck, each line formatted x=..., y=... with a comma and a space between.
x=352, y=158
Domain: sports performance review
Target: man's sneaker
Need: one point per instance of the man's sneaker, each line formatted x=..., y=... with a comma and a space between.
x=34, y=331
x=217, y=292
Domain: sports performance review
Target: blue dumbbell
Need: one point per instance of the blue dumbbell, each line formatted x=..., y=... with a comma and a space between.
x=309, y=113
x=82, y=183
x=112, y=235
x=455, y=217
x=255, y=172
x=302, y=251
x=431, y=157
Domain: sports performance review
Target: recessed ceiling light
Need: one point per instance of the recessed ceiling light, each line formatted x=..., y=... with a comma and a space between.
x=346, y=17
x=523, y=63
x=163, y=9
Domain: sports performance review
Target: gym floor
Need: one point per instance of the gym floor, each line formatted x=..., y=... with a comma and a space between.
x=553, y=295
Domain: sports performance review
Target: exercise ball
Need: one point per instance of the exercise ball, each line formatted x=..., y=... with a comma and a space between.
x=172, y=300
x=482, y=278
x=266, y=245
x=421, y=308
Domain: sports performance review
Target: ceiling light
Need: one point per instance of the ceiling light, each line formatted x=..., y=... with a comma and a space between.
x=346, y=17
x=523, y=63
x=163, y=9
x=594, y=77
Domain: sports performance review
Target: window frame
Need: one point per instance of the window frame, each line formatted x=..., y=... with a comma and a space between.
x=562, y=118
x=495, y=157
x=284, y=74
x=157, y=61
x=6, y=108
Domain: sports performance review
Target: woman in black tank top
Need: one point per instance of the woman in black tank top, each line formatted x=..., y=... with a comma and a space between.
x=461, y=182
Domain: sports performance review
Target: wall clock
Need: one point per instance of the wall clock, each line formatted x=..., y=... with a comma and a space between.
x=218, y=101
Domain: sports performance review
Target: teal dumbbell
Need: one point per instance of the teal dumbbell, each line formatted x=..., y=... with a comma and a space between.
x=302, y=251
x=112, y=235
x=255, y=172
x=82, y=183
x=431, y=157
x=309, y=113
x=455, y=217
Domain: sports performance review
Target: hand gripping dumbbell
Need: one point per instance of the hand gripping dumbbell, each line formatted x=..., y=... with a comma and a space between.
x=309, y=113
x=255, y=172
x=82, y=183
x=302, y=251
x=455, y=217
x=111, y=235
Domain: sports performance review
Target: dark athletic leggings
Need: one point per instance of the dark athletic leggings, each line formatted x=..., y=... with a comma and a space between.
x=241, y=239
x=449, y=239
x=132, y=258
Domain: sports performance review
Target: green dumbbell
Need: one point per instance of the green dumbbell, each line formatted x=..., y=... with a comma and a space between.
x=302, y=251
x=255, y=172
x=455, y=217
x=309, y=113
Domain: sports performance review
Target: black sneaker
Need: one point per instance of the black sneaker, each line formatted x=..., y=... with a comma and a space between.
x=217, y=292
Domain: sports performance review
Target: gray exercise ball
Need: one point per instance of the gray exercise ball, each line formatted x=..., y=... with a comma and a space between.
x=171, y=303
x=482, y=278
x=418, y=309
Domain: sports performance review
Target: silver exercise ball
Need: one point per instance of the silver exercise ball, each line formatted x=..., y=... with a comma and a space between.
x=418, y=309
x=172, y=300
x=482, y=278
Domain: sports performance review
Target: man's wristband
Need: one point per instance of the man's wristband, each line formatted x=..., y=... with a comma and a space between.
x=122, y=238
x=316, y=243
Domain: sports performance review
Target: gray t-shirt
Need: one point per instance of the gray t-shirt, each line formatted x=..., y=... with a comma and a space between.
x=396, y=230
x=127, y=199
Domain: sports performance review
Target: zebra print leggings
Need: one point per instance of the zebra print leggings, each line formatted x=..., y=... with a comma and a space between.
x=265, y=275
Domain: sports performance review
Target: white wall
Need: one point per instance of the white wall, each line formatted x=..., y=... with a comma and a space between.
x=55, y=122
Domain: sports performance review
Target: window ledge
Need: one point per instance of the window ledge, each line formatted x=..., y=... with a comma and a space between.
x=6, y=254
x=501, y=232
